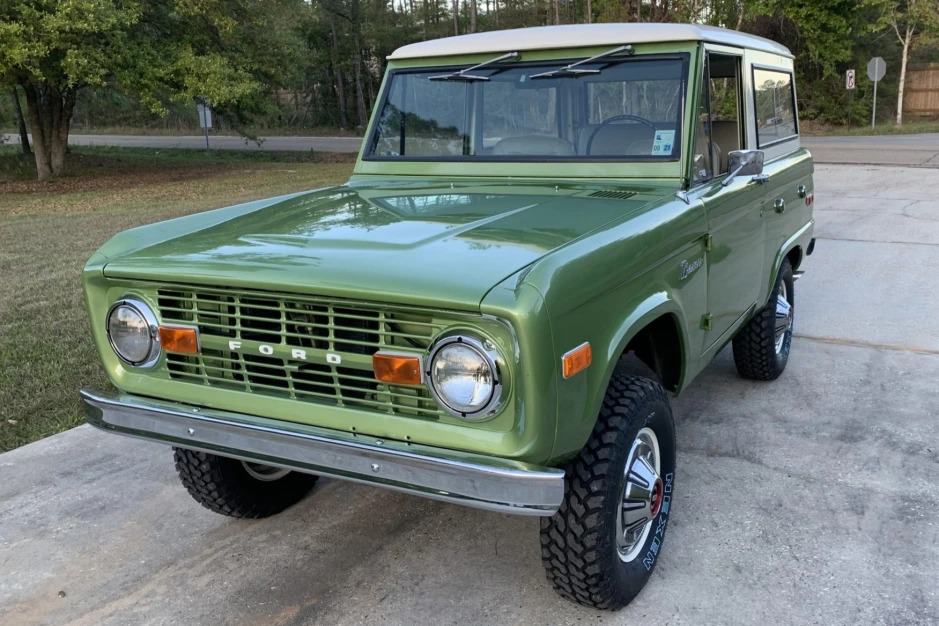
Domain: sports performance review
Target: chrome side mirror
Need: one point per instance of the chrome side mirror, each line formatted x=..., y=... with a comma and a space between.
x=743, y=163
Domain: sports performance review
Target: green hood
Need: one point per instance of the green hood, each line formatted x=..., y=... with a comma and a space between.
x=420, y=244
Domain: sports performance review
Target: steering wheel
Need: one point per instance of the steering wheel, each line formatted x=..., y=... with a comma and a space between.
x=618, y=118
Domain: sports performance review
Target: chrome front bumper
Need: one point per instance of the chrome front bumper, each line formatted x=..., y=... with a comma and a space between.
x=469, y=479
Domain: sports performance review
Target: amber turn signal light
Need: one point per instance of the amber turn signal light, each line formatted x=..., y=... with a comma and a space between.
x=180, y=340
x=400, y=369
x=576, y=360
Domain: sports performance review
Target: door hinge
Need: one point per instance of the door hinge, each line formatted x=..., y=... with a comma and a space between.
x=708, y=242
x=706, y=321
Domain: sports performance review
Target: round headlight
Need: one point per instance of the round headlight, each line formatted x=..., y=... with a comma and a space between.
x=132, y=332
x=464, y=377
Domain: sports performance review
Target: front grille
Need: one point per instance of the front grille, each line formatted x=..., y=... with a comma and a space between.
x=316, y=326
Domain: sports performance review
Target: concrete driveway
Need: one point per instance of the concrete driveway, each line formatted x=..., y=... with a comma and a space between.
x=811, y=500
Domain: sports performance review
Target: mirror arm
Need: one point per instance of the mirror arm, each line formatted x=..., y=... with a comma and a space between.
x=730, y=177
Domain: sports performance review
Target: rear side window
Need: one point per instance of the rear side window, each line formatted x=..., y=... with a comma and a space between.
x=775, y=106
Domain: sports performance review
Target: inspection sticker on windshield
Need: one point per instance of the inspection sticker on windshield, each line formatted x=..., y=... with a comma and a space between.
x=663, y=142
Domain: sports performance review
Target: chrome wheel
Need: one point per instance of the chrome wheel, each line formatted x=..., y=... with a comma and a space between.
x=264, y=473
x=642, y=495
x=784, y=316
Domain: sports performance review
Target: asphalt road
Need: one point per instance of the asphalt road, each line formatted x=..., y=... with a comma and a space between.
x=809, y=500
x=911, y=150
x=920, y=150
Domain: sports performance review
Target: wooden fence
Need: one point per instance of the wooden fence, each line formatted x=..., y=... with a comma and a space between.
x=921, y=96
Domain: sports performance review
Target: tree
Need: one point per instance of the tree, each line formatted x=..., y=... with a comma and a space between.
x=20, y=121
x=231, y=52
x=52, y=50
x=913, y=22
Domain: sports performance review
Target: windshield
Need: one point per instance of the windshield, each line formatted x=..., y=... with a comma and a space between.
x=626, y=110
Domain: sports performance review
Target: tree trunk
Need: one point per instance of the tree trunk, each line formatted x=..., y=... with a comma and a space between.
x=426, y=17
x=20, y=122
x=589, y=12
x=456, y=17
x=49, y=110
x=360, y=111
x=340, y=89
x=557, y=11
x=902, y=86
x=356, y=22
x=473, y=16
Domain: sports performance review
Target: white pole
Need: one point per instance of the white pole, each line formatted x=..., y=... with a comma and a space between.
x=874, y=108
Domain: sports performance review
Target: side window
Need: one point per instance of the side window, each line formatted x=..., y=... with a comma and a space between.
x=701, y=159
x=718, y=118
x=774, y=98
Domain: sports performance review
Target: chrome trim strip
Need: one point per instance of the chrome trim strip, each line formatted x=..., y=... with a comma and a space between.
x=472, y=480
x=153, y=355
x=492, y=358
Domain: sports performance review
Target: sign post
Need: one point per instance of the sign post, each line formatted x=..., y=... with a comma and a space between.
x=876, y=68
x=850, y=82
x=205, y=119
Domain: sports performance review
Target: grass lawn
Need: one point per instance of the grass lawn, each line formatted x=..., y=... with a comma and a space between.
x=48, y=231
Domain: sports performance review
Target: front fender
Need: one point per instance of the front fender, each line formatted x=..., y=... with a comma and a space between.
x=653, y=307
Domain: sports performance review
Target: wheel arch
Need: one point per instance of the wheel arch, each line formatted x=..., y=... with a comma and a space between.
x=793, y=250
x=655, y=320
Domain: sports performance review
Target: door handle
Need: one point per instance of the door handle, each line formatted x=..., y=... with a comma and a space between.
x=760, y=179
x=779, y=205
x=803, y=190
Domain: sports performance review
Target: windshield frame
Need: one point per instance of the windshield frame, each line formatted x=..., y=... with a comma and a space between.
x=684, y=57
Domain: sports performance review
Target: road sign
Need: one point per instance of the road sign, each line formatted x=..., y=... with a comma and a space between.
x=205, y=119
x=205, y=115
x=876, y=69
x=849, y=82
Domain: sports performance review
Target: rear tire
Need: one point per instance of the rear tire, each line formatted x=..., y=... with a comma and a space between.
x=589, y=553
x=761, y=347
x=239, y=489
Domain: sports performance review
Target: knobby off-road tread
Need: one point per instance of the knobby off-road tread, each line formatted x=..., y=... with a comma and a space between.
x=755, y=344
x=576, y=545
x=222, y=485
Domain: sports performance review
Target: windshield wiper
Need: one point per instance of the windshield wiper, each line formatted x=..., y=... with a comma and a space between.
x=465, y=75
x=573, y=70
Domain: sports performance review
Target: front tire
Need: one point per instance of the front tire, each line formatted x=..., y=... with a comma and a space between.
x=238, y=488
x=601, y=546
x=761, y=348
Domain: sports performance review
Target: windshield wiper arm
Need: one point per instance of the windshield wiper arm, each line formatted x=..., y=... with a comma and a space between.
x=573, y=70
x=464, y=74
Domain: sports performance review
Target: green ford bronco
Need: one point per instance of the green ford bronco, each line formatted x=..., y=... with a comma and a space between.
x=546, y=233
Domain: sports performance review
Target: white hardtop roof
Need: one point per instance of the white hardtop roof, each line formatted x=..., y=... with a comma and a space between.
x=581, y=36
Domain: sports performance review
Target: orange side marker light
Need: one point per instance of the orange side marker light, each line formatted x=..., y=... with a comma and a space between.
x=576, y=360
x=399, y=369
x=181, y=340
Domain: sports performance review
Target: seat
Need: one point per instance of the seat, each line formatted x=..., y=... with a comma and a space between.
x=538, y=145
x=725, y=136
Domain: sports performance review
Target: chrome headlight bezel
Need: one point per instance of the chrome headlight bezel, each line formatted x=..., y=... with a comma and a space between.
x=147, y=314
x=487, y=352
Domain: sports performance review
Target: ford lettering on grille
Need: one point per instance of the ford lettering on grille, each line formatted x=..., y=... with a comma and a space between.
x=291, y=354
